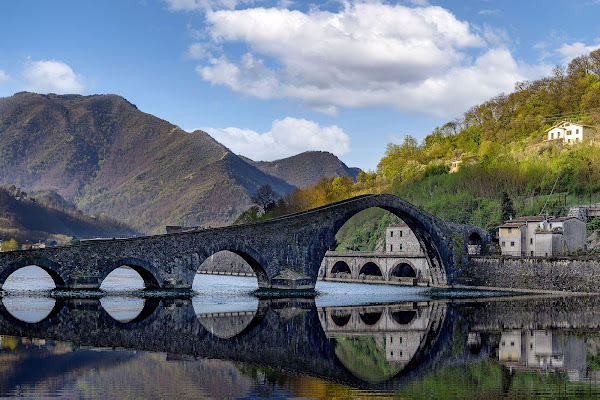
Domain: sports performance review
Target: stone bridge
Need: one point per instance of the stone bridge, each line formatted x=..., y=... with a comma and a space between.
x=408, y=269
x=284, y=252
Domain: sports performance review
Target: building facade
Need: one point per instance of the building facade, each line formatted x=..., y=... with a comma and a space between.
x=542, y=236
x=569, y=132
x=399, y=238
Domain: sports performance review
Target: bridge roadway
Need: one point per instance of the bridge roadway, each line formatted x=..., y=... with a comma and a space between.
x=284, y=253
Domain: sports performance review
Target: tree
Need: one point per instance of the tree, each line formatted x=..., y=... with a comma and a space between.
x=265, y=197
x=508, y=210
x=10, y=245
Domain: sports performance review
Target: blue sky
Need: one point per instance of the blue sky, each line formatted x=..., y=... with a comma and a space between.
x=274, y=78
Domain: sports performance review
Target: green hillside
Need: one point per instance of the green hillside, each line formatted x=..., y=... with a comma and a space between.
x=47, y=217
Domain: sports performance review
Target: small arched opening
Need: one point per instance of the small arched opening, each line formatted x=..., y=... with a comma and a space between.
x=370, y=318
x=403, y=317
x=404, y=270
x=475, y=239
x=123, y=309
x=32, y=276
x=129, y=274
x=340, y=319
x=474, y=244
x=370, y=271
x=28, y=309
x=237, y=269
x=339, y=269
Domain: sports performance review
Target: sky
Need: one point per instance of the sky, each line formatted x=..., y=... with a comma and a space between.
x=273, y=78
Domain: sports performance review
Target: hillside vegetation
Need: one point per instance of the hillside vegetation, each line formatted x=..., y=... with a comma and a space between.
x=501, y=145
x=47, y=217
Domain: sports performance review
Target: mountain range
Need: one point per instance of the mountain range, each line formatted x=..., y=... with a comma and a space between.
x=106, y=156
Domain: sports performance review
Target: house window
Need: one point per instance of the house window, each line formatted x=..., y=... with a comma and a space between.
x=551, y=135
x=391, y=233
x=532, y=252
x=391, y=247
x=400, y=233
x=509, y=231
x=512, y=244
x=530, y=240
x=550, y=226
x=512, y=344
x=503, y=244
x=503, y=343
x=400, y=247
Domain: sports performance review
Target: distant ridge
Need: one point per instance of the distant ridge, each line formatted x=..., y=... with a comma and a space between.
x=306, y=168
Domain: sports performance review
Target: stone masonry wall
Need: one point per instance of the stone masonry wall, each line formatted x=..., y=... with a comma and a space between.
x=569, y=274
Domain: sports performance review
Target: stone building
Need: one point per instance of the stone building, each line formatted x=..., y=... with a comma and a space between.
x=399, y=238
x=541, y=236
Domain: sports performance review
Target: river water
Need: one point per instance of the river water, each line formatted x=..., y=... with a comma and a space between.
x=351, y=341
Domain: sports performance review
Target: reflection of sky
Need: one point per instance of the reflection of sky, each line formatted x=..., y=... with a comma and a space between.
x=30, y=278
x=218, y=293
x=28, y=309
x=123, y=309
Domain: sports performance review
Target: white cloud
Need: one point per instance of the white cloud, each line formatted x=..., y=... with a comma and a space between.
x=570, y=51
x=197, y=51
x=3, y=76
x=52, y=77
x=287, y=137
x=204, y=5
x=495, y=11
x=367, y=54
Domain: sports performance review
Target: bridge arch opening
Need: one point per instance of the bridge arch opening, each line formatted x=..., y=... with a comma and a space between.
x=370, y=318
x=384, y=222
x=245, y=271
x=403, y=317
x=123, y=278
x=31, y=310
x=340, y=268
x=123, y=309
x=128, y=274
x=32, y=275
x=475, y=239
x=370, y=270
x=404, y=270
x=341, y=318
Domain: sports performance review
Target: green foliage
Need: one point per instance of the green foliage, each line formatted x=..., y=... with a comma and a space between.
x=365, y=357
x=10, y=245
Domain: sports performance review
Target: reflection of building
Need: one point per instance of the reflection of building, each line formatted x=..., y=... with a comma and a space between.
x=543, y=350
x=402, y=346
x=541, y=236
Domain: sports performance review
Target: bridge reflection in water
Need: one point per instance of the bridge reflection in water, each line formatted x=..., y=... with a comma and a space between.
x=374, y=347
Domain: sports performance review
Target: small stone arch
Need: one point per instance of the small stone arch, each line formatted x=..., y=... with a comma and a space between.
x=475, y=239
x=370, y=318
x=149, y=274
x=403, y=317
x=404, y=269
x=340, y=318
x=147, y=315
x=340, y=267
x=50, y=267
x=251, y=259
x=371, y=269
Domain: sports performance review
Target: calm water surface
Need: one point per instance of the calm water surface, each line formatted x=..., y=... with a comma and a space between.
x=351, y=341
